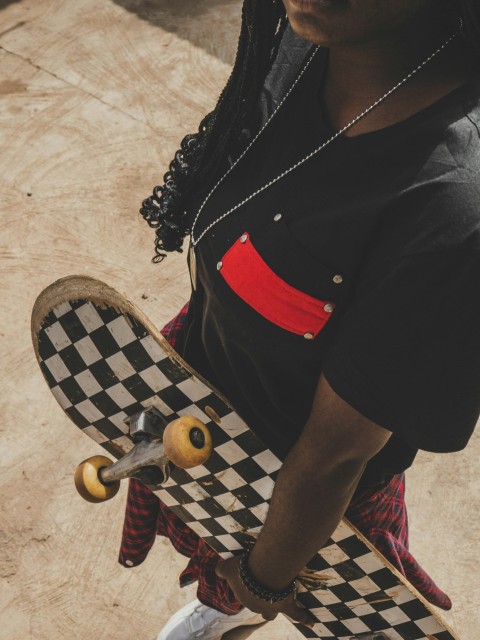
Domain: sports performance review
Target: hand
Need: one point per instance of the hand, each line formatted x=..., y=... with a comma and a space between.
x=228, y=570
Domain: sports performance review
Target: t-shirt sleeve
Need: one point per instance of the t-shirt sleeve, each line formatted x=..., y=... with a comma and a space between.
x=407, y=351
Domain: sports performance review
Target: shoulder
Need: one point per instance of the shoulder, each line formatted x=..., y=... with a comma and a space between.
x=437, y=206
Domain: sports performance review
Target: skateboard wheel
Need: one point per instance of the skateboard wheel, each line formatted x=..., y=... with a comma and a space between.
x=187, y=442
x=88, y=483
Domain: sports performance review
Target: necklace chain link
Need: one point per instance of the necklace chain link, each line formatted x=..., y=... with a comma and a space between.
x=195, y=241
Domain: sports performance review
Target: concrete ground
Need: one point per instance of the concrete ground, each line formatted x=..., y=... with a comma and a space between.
x=94, y=98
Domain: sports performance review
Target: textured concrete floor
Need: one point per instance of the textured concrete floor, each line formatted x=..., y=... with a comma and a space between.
x=94, y=97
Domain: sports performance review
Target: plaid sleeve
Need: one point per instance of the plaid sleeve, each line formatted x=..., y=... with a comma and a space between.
x=140, y=524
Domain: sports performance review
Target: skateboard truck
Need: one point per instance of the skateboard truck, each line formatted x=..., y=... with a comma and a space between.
x=147, y=461
x=149, y=423
x=184, y=442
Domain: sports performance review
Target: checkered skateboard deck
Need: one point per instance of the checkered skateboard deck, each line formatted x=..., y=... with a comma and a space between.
x=104, y=361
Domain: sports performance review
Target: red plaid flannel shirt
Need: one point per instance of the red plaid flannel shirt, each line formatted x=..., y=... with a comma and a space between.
x=380, y=514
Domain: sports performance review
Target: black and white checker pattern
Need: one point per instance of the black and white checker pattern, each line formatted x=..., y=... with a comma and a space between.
x=102, y=365
x=364, y=596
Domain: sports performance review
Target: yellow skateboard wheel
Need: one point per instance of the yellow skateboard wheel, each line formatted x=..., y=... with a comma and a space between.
x=187, y=442
x=88, y=483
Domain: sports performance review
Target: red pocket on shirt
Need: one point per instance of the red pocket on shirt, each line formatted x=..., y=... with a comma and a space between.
x=250, y=277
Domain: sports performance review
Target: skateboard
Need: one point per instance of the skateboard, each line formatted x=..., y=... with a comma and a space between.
x=122, y=384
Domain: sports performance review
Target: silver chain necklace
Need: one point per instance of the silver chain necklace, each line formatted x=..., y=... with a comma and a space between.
x=194, y=241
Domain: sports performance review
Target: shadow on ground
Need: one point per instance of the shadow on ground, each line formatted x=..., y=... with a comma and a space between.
x=187, y=18
x=4, y=3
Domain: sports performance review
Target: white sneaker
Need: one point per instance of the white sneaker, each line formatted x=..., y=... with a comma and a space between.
x=196, y=620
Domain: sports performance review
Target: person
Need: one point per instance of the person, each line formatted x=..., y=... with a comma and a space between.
x=332, y=199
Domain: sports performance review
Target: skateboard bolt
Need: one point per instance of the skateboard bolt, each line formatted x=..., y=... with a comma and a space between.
x=197, y=438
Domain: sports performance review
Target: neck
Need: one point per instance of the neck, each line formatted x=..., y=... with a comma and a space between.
x=358, y=74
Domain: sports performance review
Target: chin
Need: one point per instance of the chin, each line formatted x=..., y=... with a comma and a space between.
x=324, y=25
x=311, y=31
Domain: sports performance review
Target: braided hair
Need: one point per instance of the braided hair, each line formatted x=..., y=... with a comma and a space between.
x=201, y=154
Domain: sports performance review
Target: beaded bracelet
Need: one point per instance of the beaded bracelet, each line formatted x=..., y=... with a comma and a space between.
x=259, y=590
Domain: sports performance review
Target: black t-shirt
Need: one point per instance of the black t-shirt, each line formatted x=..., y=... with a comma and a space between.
x=363, y=264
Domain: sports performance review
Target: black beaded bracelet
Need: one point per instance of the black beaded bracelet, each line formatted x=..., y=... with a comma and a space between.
x=259, y=590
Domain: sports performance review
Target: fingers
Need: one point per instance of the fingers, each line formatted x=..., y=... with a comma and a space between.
x=299, y=614
x=227, y=570
x=269, y=617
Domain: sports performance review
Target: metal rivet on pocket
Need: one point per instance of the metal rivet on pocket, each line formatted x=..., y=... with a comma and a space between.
x=277, y=217
x=243, y=238
x=328, y=308
x=338, y=279
x=308, y=336
x=219, y=265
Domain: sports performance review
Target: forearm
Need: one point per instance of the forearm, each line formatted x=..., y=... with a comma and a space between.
x=312, y=492
x=311, y=495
